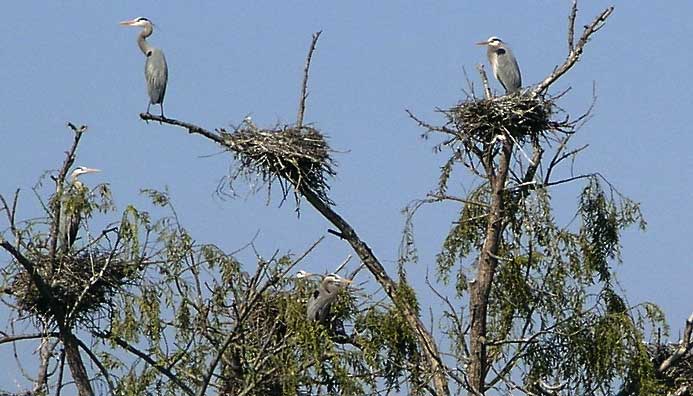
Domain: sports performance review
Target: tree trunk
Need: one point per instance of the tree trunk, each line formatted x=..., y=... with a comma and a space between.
x=481, y=288
x=74, y=361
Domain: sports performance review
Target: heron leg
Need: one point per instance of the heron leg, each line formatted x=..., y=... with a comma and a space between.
x=162, y=111
x=148, y=104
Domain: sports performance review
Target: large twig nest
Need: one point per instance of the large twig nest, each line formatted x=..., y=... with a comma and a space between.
x=677, y=375
x=521, y=116
x=82, y=285
x=295, y=157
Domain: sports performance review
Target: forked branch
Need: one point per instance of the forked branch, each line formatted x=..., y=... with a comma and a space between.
x=574, y=52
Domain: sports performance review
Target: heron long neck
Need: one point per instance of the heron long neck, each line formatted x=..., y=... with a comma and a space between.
x=142, y=42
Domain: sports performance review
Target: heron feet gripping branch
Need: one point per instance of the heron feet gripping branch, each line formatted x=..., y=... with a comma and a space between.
x=503, y=64
x=155, y=67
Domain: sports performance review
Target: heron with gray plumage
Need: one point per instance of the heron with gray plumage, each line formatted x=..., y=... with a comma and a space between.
x=503, y=64
x=73, y=205
x=318, y=306
x=155, y=67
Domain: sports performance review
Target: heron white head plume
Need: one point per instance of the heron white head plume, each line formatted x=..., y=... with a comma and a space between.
x=137, y=22
x=492, y=41
x=82, y=170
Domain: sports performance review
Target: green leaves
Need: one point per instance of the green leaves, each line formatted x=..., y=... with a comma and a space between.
x=466, y=234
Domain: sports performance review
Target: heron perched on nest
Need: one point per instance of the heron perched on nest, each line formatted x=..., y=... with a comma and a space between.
x=74, y=202
x=318, y=306
x=503, y=64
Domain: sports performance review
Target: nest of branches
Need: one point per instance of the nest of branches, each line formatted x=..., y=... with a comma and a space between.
x=83, y=285
x=523, y=117
x=297, y=157
x=678, y=374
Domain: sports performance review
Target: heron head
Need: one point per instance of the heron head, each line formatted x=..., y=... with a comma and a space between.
x=332, y=282
x=81, y=170
x=137, y=22
x=492, y=41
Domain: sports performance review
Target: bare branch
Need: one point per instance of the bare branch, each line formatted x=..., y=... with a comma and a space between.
x=45, y=354
x=575, y=53
x=158, y=366
x=484, y=80
x=14, y=338
x=571, y=26
x=304, y=86
x=192, y=129
x=61, y=371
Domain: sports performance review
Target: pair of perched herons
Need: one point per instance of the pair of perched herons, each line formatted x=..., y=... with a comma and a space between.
x=501, y=58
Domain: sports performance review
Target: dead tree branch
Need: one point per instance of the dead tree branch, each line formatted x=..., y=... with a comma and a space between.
x=574, y=54
x=304, y=86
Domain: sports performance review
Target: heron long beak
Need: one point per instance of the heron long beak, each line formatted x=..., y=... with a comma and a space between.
x=127, y=23
x=91, y=170
x=482, y=43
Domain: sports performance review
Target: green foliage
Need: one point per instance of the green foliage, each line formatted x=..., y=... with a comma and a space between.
x=388, y=344
x=465, y=237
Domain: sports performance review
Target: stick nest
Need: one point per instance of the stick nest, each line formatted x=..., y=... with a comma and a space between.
x=295, y=157
x=524, y=117
x=678, y=374
x=83, y=285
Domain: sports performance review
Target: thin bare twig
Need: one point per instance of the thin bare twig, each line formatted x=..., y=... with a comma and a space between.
x=304, y=86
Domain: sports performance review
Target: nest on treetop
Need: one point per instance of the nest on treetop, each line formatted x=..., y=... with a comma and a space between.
x=82, y=285
x=297, y=157
x=523, y=117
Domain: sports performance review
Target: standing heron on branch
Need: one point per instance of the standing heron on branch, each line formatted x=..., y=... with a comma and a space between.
x=74, y=203
x=503, y=64
x=318, y=306
x=155, y=68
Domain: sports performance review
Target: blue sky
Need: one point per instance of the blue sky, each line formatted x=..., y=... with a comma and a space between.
x=70, y=61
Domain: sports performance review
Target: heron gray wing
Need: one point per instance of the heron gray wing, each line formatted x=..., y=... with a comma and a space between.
x=508, y=71
x=318, y=306
x=156, y=74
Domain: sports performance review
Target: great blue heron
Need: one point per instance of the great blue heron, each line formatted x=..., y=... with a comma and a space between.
x=155, y=68
x=318, y=307
x=503, y=63
x=73, y=204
